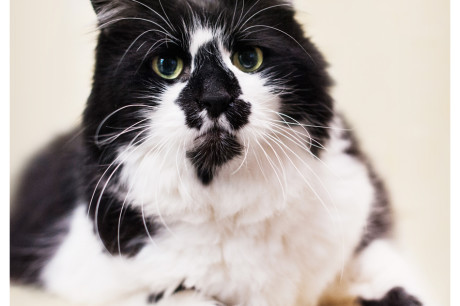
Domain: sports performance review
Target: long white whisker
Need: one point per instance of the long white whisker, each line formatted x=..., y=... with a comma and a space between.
x=278, y=158
x=233, y=17
x=241, y=19
x=131, y=128
x=245, y=156
x=98, y=130
x=241, y=14
x=273, y=167
x=166, y=15
x=297, y=141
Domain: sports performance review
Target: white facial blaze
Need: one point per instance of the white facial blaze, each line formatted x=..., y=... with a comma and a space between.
x=200, y=37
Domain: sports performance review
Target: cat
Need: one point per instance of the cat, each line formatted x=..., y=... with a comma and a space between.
x=210, y=168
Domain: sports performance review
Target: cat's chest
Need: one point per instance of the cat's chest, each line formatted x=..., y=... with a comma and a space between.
x=232, y=263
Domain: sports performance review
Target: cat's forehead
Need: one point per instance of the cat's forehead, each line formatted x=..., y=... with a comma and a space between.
x=201, y=35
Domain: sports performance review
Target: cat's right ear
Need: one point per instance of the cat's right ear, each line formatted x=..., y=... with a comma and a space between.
x=99, y=5
x=108, y=9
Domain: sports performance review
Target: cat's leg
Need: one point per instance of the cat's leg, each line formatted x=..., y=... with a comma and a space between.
x=378, y=276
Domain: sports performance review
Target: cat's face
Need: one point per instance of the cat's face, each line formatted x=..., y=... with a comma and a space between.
x=204, y=79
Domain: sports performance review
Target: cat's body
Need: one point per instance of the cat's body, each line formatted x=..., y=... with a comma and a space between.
x=218, y=184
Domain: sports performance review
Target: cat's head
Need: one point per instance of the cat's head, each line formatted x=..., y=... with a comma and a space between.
x=204, y=79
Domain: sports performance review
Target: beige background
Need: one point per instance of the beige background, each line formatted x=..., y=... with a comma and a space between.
x=390, y=60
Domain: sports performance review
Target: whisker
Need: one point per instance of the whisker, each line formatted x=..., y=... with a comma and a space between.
x=273, y=167
x=141, y=45
x=166, y=15
x=245, y=156
x=98, y=130
x=131, y=128
x=243, y=16
x=278, y=158
x=152, y=10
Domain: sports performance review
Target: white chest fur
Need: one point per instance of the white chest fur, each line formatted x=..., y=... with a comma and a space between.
x=260, y=236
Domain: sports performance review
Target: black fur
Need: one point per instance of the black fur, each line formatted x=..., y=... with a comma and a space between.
x=395, y=297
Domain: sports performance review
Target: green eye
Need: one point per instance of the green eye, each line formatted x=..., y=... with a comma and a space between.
x=168, y=67
x=248, y=59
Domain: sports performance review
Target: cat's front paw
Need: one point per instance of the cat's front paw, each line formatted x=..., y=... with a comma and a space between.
x=184, y=298
x=395, y=297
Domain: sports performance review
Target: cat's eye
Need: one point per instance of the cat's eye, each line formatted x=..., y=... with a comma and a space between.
x=168, y=67
x=248, y=59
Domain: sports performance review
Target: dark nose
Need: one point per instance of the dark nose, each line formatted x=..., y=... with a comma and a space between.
x=216, y=102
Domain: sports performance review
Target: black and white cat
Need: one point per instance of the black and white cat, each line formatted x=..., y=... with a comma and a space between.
x=212, y=169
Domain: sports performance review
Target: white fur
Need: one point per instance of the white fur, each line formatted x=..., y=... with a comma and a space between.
x=274, y=227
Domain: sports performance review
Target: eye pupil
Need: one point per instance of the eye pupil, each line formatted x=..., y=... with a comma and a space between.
x=167, y=65
x=248, y=58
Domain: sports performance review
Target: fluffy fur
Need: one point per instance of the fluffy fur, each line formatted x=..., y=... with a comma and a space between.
x=218, y=187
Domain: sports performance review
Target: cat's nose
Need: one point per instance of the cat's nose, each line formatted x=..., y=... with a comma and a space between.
x=216, y=102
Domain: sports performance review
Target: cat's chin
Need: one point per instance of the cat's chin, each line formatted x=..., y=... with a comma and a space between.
x=212, y=150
